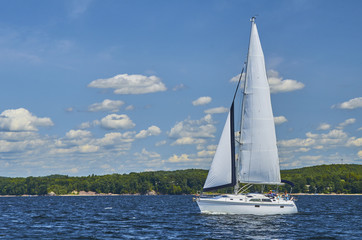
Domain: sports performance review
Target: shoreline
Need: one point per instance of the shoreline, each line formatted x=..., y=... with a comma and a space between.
x=138, y=194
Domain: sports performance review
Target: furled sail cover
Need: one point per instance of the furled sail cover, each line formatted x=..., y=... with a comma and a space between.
x=222, y=170
x=259, y=153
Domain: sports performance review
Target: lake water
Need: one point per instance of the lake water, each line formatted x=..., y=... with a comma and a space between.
x=172, y=217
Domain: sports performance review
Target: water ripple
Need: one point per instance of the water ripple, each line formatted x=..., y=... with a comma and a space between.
x=172, y=217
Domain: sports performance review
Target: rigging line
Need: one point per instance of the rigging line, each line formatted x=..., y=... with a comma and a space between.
x=237, y=87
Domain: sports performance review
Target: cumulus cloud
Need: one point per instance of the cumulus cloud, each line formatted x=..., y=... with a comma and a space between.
x=144, y=154
x=205, y=153
x=216, y=110
x=181, y=158
x=78, y=134
x=297, y=142
x=130, y=84
x=346, y=123
x=87, y=148
x=359, y=154
x=202, y=101
x=188, y=141
x=151, y=131
x=22, y=120
x=324, y=126
x=237, y=77
x=350, y=104
x=334, y=137
x=117, y=139
x=106, y=105
x=115, y=121
x=313, y=158
x=354, y=142
x=279, y=120
x=193, y=131
x=276, y=83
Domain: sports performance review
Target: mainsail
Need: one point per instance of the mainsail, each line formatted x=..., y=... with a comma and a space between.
x=258, y=152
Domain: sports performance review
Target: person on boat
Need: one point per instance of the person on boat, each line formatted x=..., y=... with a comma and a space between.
x=286, y=196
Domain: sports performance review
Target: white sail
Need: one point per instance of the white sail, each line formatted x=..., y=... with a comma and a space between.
x=258, y=161
x=259, y=154
x=222, y=170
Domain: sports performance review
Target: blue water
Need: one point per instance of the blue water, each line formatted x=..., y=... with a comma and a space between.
x=172, y=217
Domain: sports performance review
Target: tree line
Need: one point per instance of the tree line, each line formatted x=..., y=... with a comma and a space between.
x=339, y=178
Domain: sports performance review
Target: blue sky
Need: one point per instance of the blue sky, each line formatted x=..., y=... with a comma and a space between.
x=100, y=87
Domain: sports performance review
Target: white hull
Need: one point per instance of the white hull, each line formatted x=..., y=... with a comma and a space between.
x=246, y=204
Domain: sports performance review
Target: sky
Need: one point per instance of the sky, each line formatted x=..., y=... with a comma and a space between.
x=102, y=87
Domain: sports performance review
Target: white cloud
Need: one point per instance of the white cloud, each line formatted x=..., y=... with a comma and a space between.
x=350, y=104
x=23, y=142
x=297, y=142
x=151, y=131
x=237, y=77
x=359, y=154
x=73, y=170
x=193, y=131
x=276, y=83
x=87, y=148
x=130, y=84
x=178, y=159
x=335, y=133
x=144, y=155
x=18, y=136
x=354, y=142
x=202, y=101
x=324, y=126
x=78, y=134
x=313, y=158
x=279, y=120
x=188, y=141
x=22, y=120
x=117, y=139
x=216, y=110
x=85, y=125
x=205, y=153
x=302, y=149
x=106, y=105
x=335, y=138
x=115, y=121
x=346, y=123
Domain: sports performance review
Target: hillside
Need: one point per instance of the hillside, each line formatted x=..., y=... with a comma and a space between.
x=338, y=178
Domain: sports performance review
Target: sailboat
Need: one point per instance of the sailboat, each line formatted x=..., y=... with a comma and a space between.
x=257, y=161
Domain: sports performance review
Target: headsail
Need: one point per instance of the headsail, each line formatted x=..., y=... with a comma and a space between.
x=222, y=171
x=258, y=153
